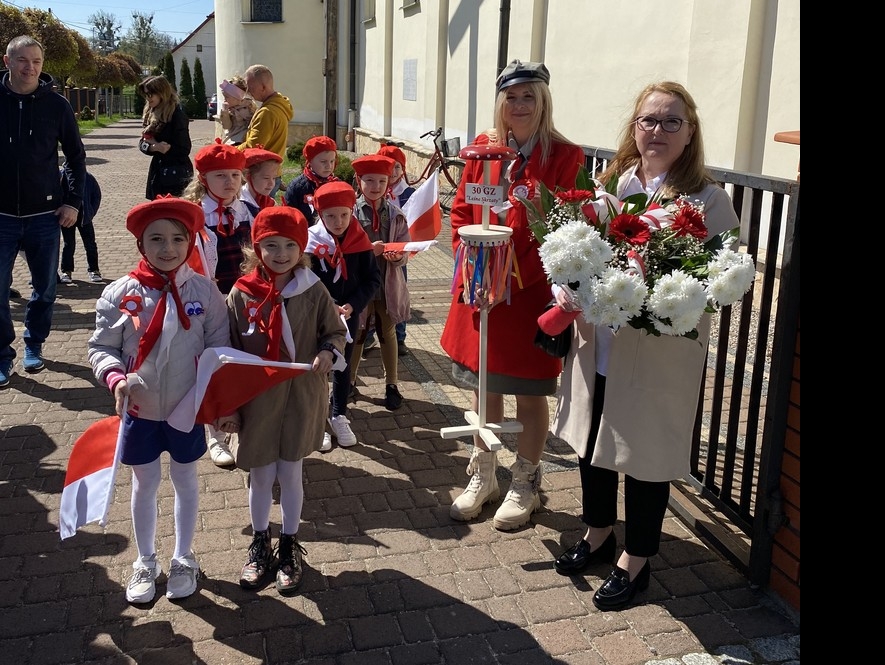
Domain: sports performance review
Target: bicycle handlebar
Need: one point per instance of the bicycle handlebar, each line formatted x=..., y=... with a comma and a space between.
x=432, y=133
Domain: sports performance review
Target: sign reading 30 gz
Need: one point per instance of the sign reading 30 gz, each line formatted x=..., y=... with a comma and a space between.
x=487, y=195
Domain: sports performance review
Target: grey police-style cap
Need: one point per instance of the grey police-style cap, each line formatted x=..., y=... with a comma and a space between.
x=522, y=72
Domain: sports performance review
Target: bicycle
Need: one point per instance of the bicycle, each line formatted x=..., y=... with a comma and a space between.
x=451, y=168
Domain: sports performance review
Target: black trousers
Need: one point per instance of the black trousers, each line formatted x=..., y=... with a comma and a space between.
x=87, y=235
x=645, y=503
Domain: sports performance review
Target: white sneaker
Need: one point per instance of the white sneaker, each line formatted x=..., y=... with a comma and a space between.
x=142, y=585
x=65, y=278
x=326, y=445
x=220, y=453
x=183, y=576
x=95, y=277
x=341, y=428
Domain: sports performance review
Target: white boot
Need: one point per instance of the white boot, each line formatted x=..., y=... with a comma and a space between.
x=482, y=488
x=522, y=498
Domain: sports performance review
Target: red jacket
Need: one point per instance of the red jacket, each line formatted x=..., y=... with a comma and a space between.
x=511, y=327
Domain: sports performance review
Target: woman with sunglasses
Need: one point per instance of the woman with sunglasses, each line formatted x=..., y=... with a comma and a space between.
x=628, y=402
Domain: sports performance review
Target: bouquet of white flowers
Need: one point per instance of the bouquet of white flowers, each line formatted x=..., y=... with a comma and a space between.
x=638, y=261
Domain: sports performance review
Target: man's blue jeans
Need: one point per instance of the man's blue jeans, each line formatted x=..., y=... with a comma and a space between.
x=38, y=237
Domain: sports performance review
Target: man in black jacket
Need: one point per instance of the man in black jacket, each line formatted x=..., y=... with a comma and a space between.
x=34, y=121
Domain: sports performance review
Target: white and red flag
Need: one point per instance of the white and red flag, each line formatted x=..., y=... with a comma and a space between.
x=227, y=378
x=411, y=246
x=423, y=212
x=89, y=481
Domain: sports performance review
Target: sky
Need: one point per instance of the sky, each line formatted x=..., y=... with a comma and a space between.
x=176, y=18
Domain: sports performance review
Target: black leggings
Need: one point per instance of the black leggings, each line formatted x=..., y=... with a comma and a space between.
x=645, y=503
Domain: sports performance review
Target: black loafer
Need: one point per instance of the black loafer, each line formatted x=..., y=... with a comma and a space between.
x=577, y=558
x=617, y=591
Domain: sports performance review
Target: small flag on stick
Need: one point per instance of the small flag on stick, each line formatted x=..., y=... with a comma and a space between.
x=423, y=212
x=89, y=481
x=227, y=378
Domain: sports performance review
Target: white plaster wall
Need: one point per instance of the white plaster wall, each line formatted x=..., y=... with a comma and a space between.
x=293, y=50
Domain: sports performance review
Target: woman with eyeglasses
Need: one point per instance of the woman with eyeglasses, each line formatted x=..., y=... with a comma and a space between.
x=628, y=402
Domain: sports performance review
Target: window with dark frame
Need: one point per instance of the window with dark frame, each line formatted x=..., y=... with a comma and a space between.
x=267, y=11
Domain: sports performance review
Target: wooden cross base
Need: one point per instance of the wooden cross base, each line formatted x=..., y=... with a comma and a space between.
x=486, y=432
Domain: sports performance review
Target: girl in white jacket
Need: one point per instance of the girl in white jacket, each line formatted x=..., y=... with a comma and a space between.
x=150, y=328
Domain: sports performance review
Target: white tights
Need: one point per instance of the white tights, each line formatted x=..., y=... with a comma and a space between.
x=291, y=495
x=145, y=484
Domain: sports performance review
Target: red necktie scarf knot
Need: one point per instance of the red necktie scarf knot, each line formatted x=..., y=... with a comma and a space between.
x=147, y=275
x=226, y=224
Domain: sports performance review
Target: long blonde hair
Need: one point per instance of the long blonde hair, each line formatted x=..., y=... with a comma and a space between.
x=542, y=119
x=688, y=174
x=160, y=86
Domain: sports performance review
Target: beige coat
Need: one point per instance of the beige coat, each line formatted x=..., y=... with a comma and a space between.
x=651, y=392
x=287, y=421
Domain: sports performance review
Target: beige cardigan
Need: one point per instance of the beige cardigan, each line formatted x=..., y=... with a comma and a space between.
x=652, y=387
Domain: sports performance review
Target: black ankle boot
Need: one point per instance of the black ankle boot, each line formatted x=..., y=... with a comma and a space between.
x=577, y=558
x=617, y=591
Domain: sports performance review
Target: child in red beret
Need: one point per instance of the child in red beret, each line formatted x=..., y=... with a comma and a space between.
x=383, y=222
x=399, y=190
x=262, y=171
x=343, y=257
x=151, y=327
x=216, y=188
x=320, y=158
x=281, y=311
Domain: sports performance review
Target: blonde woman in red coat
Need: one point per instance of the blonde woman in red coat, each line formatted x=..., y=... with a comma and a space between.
x=524, y=121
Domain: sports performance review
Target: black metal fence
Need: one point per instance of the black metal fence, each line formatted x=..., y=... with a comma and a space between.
x=732, y=495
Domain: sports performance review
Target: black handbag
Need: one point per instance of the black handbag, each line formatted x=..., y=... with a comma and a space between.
x=556, y=345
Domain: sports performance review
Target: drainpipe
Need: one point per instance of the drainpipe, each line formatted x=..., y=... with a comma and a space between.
x=503, y=36
x=388, y=66
x=442, y=61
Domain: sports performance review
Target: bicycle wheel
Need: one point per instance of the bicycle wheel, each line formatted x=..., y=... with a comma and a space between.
x=450, y=175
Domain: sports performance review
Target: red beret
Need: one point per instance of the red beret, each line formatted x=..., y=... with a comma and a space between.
x=334, y=194
x=394, y=153
x=282, y=221
x=219, y=157
x=373, y=164
x=258, y=154
x=317, y=144
x=166, y=207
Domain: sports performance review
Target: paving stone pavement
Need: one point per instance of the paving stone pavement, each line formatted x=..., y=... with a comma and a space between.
x=390, y=578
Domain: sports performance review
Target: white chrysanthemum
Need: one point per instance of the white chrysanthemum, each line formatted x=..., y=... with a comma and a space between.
x=575, y=252
x=680, y=298
x=731, y=275
x=618, y=296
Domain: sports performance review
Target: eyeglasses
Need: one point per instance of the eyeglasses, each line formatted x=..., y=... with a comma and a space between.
x=648, y=124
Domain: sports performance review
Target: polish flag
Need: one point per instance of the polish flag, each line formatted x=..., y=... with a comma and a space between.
x=227, y=378
x=411, y=246
x=89, y=481
x=423, y=212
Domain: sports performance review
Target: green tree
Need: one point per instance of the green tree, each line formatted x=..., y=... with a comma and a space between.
x=106, y=30
x=61, y=52
x=186, y=88
x=199, y=81
x=143, y=42
x=168, y=68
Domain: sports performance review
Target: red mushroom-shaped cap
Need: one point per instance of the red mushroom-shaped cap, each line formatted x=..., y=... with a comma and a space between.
x=487, y=152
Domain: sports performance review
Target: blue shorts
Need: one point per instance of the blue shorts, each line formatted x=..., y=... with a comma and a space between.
x=144, y=440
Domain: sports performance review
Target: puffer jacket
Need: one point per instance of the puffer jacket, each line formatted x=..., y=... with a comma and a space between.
x=31, y=129
x=114, y=344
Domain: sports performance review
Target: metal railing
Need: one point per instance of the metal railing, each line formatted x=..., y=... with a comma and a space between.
x=738, y=441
